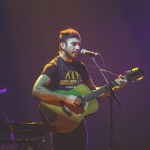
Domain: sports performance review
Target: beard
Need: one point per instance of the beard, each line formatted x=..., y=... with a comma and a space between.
x=69, y=55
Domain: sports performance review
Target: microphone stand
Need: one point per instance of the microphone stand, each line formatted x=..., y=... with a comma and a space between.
x=112, y=97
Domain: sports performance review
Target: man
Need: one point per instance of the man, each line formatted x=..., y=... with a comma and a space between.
x=64, y=72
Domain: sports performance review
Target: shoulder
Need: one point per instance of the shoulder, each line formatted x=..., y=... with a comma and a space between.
x=51, y=65
x=54, y=61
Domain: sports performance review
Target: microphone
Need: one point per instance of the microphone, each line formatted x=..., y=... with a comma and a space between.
x=86, y=52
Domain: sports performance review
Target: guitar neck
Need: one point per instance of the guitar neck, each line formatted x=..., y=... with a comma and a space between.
x=99, y=92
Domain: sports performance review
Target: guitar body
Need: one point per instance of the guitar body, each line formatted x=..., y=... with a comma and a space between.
x=61, y=118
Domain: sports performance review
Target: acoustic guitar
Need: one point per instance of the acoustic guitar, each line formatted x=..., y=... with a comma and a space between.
x=63, y=119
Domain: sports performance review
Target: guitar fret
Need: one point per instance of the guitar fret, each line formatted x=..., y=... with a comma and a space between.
x=99, y=92
x=95, y=93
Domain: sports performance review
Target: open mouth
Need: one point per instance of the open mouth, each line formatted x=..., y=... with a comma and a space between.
x=75, y=53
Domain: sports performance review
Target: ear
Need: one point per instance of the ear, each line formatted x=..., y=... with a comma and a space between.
x=62, y=45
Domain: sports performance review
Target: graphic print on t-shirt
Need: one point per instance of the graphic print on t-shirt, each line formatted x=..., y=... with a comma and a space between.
x=72, y=78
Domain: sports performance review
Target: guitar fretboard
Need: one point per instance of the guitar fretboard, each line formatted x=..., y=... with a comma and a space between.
x=100, y=91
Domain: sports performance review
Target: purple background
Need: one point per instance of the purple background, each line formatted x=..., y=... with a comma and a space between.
x=119, y=30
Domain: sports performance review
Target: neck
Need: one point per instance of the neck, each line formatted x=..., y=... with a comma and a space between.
x=65, y=57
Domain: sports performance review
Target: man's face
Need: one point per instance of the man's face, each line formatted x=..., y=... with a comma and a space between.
x=72, y=48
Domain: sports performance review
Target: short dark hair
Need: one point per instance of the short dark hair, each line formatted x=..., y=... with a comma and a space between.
x=68, y=33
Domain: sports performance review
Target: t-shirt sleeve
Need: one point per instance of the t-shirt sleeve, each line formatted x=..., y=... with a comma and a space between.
x=50, y=70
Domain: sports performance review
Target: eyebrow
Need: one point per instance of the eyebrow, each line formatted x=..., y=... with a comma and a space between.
x=76, y=43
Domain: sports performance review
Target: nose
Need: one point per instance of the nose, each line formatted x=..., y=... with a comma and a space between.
x=77, y=47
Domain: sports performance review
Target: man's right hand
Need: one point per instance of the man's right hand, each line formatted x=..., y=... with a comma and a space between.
x=74, y=104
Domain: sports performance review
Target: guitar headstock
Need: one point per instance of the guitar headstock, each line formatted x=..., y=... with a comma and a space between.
x=135, y=74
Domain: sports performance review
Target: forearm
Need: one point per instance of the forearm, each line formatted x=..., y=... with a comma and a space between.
x=47, y=95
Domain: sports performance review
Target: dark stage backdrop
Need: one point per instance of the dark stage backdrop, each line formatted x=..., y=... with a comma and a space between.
x=118, y=30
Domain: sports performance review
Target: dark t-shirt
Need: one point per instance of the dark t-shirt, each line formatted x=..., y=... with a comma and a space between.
x=65, y=75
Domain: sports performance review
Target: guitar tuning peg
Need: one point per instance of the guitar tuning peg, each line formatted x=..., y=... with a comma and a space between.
x=128, y=71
